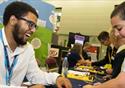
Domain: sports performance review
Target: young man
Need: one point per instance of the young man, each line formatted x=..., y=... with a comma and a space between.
x=118, y=24
x=17, y=58
x=104, y=39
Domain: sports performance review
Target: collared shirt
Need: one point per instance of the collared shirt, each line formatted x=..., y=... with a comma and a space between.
x=26, y=65
x=123, y=64
x=118, y=61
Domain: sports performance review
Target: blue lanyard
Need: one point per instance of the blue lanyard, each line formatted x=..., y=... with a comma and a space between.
x=9, y=68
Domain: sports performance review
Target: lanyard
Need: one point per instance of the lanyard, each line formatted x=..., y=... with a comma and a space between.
x=9, y=68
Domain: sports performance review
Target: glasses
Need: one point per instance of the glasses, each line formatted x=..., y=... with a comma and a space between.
x=31, y=24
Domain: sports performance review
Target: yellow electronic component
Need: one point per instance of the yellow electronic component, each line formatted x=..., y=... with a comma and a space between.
x=100, y=72
x=108, y=66
x=80, y=76
x=87, y=67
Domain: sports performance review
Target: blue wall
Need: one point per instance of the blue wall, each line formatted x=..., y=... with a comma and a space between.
x=44, y=9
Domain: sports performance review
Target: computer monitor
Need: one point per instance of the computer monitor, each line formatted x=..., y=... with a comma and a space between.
x=79, y=39
x=76, y=38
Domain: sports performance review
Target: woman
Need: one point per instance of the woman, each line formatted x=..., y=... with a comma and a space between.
x=75, y=56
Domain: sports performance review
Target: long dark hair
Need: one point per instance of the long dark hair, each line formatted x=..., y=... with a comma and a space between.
x=77, y=48
x=120, y=11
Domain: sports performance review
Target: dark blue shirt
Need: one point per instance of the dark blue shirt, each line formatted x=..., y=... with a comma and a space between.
x=73, y=58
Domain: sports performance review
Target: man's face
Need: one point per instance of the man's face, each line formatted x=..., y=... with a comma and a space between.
x=24, y=28
x=105, y=42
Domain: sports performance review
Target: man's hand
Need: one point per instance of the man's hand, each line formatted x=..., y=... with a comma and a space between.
x=109, y=71
x=63, y=82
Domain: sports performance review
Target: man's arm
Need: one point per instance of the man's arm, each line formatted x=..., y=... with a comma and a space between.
x=105, y=60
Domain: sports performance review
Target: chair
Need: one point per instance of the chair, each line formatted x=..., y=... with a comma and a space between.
x=51, y=64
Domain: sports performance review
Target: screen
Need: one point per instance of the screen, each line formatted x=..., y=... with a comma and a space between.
x=79, y=39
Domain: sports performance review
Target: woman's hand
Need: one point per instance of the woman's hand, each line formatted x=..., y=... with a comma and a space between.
x=87, y=86
x=84, y=62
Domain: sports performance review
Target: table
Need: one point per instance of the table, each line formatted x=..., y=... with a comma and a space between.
x=79, y=83
x=76, y=83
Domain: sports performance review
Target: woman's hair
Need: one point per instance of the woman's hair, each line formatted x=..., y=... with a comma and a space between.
x=113, y=38
x=77, y=48
x=119, y=11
